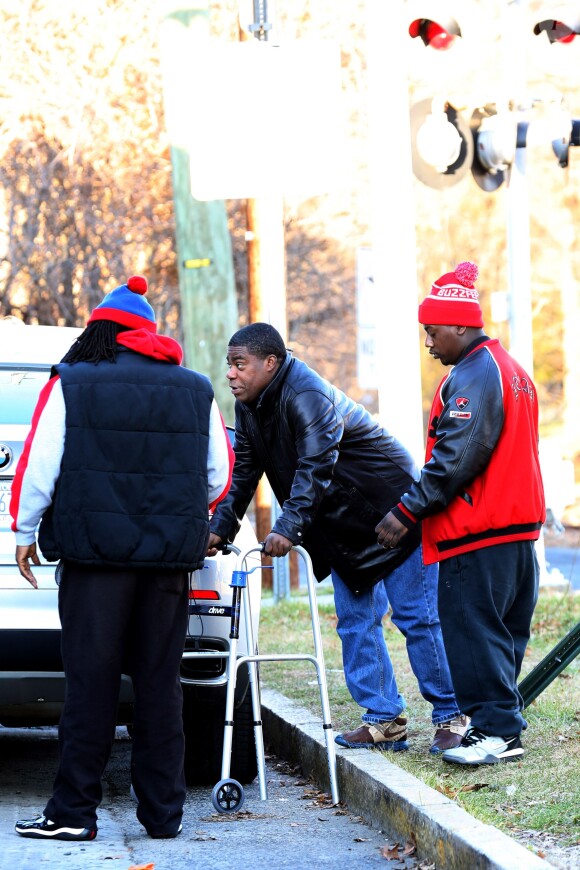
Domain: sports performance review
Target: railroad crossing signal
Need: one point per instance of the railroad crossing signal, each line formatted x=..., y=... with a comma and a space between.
x=445, y=145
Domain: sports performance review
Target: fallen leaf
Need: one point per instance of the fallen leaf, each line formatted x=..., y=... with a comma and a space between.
x=511, y=810
x=391, y=853
x=240, y=816
x=142, y=867
x=410, y=846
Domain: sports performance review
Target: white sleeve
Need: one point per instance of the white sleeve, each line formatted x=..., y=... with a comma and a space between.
x=39, y=466
x=220, y=458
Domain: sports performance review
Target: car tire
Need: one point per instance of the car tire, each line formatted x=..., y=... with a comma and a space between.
x=203, y=724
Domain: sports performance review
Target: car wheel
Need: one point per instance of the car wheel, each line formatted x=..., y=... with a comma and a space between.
x=203, y=724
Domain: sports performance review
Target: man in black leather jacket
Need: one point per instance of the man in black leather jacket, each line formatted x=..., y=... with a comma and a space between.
x=335, y=472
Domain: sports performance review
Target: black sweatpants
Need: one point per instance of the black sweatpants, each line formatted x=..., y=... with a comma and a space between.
x=110, y=617
x=486, y=602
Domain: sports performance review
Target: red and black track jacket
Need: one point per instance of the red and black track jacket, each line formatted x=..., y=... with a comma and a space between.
x=481, y=483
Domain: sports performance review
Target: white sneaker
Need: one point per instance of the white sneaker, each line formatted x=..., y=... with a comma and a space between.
x=479, y=748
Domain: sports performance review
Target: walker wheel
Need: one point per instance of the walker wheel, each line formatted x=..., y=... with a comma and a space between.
x=227, y=796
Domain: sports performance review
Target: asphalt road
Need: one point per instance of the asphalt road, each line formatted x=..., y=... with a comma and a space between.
x=295, y=828
x=567, y=561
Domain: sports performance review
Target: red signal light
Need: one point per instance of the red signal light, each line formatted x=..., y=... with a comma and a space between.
x=437, y=37
x=567, y=35
x=434, y=34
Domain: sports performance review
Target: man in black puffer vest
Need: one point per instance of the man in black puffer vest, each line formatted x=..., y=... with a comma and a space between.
x=126, y=456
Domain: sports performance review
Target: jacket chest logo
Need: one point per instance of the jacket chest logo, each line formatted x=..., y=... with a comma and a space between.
x=462, y=402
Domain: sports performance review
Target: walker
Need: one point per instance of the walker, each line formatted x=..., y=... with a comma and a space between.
x=228, y=794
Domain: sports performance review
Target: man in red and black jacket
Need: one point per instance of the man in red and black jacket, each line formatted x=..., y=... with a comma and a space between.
x=480, y=500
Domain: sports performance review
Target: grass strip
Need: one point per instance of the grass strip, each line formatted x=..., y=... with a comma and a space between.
x=540, y=795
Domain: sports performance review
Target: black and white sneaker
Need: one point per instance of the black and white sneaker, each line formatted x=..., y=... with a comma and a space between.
x=167, y=835
x=479, y=748
x=42, y=828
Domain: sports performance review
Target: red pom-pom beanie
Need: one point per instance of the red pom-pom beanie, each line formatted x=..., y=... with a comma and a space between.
x=127, y=305
x=453, y=300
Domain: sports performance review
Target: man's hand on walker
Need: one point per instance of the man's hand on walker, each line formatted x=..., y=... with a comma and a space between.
x=277, y=545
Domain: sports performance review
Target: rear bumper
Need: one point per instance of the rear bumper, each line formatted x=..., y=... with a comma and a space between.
x=32, y=682
x=35, y=698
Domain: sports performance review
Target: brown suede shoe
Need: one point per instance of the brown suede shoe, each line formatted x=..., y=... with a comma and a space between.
x=390, y=735
x=449, y=734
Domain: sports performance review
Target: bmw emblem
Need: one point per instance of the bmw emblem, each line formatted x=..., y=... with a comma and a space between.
x=5, y=456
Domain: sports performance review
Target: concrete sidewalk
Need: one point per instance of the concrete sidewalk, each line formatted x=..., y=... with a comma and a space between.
x=390, y=798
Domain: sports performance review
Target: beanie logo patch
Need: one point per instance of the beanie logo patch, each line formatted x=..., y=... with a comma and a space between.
x=455, y=292
x=462, y=402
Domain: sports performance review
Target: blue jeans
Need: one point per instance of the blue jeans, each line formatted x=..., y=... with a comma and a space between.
x=411, y=590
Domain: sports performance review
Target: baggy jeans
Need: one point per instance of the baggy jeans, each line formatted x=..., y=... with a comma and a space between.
x=411, y=590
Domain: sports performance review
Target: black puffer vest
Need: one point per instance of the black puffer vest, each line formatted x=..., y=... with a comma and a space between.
x=132, y=490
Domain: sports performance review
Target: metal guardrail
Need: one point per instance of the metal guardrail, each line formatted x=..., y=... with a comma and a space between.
x=553, y=664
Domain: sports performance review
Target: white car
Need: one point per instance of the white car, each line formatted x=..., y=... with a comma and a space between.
x=31, y=676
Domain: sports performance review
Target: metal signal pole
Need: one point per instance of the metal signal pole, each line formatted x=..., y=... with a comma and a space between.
x=266, y=254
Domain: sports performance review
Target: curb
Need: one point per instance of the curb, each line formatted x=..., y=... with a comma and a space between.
x=390, y=798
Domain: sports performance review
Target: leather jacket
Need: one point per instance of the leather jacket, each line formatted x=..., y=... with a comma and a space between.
x=333, y=469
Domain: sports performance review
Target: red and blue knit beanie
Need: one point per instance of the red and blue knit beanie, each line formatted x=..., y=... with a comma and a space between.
x=453, y=300
x=127, y=305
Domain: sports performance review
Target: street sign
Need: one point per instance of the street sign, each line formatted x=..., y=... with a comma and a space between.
x=257, y=119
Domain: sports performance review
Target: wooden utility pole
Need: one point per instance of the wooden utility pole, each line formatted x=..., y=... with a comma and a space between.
x=204, y=250
x=257, y=313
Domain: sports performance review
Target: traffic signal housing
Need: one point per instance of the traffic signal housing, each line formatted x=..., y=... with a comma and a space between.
x=439, y=34
x=563, y=27
x=441, y=143
x=495, y=138
x=561, y=146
